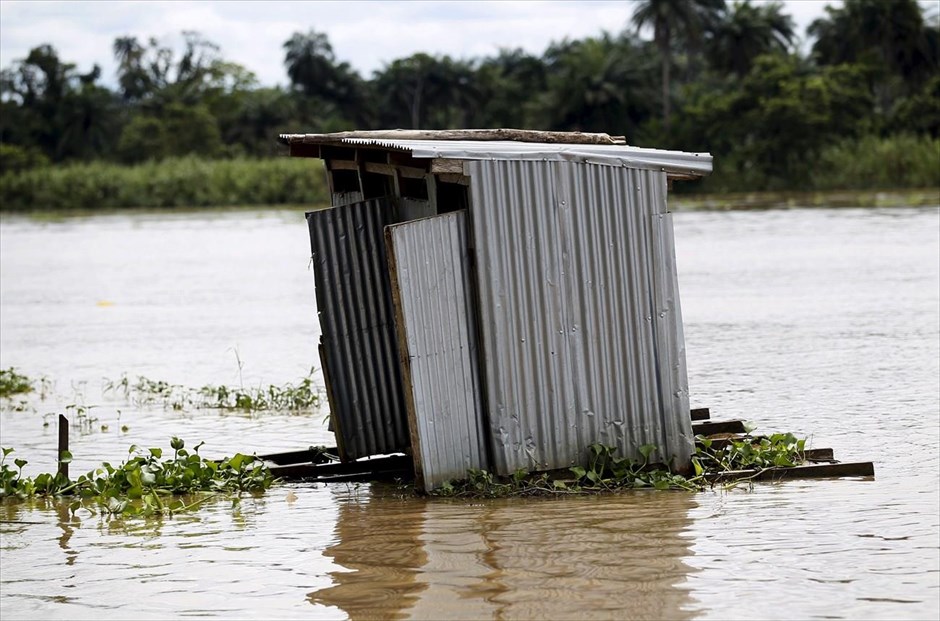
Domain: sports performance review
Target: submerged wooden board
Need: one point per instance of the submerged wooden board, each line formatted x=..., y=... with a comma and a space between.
x=312, y=455
x=814, y=471
x=389, y=467
x=713, y=427
x=700, y=413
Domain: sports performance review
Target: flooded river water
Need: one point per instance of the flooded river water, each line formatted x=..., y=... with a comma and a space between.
x=821, y=322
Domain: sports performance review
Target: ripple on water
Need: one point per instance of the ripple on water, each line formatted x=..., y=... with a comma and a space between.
x=821, y=322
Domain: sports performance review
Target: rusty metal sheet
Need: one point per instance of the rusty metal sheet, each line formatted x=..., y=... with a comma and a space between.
x=358, y=327
x=431, y=287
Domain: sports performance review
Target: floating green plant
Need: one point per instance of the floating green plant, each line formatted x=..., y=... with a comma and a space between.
x=288, y=397
x=305, y=395
x=748, y=453
x=605, y=472
x=14, y=383
x=145, y=485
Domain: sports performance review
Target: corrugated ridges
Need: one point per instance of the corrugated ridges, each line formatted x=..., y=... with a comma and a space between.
x=567, y=259
x=357, y=323
x=438, y=337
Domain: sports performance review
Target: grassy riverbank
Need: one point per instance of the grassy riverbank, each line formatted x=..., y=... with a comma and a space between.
x=925, y=197
x=171, y=183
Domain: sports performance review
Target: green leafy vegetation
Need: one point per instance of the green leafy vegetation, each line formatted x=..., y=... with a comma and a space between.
x=186, y=127
x=870, y=162
x=145, y=485
x=13, y=383
x=173, y=182
x=780, y=450
x=605, y=472
x=303, y=396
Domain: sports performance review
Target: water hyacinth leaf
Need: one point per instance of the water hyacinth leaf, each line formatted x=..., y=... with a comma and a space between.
x=646, y=450
x=20, y=462
x=578, y=471
x=65, y=457
x=156, y=452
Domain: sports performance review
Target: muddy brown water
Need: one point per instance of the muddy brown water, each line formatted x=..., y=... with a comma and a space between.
x=821, y=322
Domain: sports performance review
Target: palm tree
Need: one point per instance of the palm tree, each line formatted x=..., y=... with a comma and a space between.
x=509, y=83
x=672, y=20
x=892, y=39
x=747, y=32
x=895, y=33
x=310, y=61
x=408, y=89
x=132, y=78
x=595, y=84
x=314, y=71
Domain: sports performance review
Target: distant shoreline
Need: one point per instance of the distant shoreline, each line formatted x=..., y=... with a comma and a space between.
x=921, y=197
x=679, y=203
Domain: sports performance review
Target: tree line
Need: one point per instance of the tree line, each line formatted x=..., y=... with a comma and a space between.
x=728, y=78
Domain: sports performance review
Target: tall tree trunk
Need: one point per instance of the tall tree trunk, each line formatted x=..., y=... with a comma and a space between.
x=665, y=80
x=416, y=105
x=666, y=56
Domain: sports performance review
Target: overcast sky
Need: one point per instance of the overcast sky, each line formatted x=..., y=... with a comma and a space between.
x=365, y=34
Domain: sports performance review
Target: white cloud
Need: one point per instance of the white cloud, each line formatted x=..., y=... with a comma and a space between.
x=366, y=34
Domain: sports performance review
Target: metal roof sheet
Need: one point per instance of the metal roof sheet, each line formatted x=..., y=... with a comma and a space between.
x=676, y=162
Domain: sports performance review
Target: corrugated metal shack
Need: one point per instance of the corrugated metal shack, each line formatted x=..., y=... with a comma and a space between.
x=499, y=299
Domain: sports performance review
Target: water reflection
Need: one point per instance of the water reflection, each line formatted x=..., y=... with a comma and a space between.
x=378, y=541
x=65, y=518
x=598, y=557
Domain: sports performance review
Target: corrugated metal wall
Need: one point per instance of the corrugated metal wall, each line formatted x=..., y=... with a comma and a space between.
x=437, y=334
x=358, y=327
x=577, y=344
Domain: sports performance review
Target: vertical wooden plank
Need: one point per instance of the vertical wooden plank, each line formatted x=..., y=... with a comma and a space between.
x=63, y=446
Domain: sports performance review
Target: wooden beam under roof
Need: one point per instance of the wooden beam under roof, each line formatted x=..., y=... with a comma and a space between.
x=515, y=135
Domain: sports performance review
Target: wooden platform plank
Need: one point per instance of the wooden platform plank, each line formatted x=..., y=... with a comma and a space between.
x=819, y=454
x=814, y=471
x=700, y=413
x=363, y=470
x=310, y=455
x=713, y=427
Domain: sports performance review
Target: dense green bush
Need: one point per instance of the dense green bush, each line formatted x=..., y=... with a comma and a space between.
x=869, y=163
x=175, y=182
x=14, y=158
